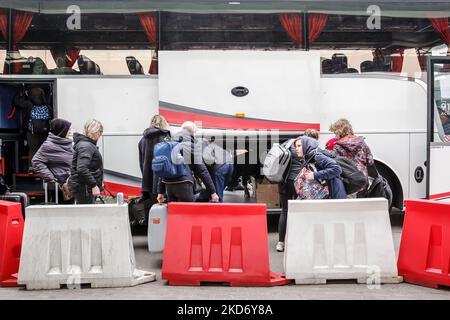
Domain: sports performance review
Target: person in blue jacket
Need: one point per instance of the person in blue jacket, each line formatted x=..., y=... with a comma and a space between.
x=327, y=168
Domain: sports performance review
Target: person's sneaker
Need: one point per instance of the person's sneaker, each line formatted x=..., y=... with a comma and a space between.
x=280, y=246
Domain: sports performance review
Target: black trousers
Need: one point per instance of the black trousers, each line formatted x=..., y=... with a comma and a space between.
x=84, y=196
x=34, y=143
x=287, y=192
x=180, y=192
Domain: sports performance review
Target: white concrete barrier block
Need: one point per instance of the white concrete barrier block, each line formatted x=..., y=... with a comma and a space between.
x=78, y=244
x=339, y=240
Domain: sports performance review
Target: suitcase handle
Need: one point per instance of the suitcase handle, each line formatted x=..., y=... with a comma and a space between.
x=46, y=192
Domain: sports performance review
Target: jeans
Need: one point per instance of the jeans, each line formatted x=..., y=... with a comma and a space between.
x=222, y=176
x=287, y=192
x=180, y=192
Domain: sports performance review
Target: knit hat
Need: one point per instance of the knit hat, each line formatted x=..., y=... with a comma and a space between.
x=60, y=127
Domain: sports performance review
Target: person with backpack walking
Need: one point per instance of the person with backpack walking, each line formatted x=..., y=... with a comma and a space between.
x=86, y=174
x=36, y=116
x=154, y=134
x=186, y=159
x=353, y=148
x=53, y=159
x=287, y=191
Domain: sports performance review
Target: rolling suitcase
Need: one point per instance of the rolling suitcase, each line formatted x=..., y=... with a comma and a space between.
x=19, y=197
x=47, y=193
x=138, y=210
x=157, y=224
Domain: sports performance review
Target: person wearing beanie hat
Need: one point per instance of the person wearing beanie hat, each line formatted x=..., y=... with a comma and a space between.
x=53, y=159
x=60, y=127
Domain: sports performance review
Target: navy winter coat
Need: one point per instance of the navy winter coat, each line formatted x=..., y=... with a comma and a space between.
x=327, y=168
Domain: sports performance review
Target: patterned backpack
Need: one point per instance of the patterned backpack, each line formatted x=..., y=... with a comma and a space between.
x=310, y=189
x=39, y=120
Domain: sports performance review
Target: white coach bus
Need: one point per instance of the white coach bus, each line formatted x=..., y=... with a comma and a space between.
x=249, y=72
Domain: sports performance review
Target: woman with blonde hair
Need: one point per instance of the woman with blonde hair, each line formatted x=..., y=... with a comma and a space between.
x=86, y=174
x=155, y=133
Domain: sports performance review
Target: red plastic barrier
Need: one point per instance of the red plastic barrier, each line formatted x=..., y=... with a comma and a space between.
x=11, y=231
x=424, y=257
x=208, y=242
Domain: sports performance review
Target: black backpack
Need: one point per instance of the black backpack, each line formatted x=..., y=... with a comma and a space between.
x=354, y=180
x=380, y=189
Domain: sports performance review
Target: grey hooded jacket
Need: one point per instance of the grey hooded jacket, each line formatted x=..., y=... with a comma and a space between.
x=53, y=159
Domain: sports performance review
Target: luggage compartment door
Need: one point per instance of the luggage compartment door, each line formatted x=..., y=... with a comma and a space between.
x=438, y=128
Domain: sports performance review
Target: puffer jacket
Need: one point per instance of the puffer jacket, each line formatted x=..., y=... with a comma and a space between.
x=150, y=138
x=355, y=149
x=327, y=168
x=192, y=152
x=87, y=165
x=53, y=159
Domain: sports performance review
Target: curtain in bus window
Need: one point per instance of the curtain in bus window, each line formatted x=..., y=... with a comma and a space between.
x=440, y=25
x=22, y=21
x=4, y=23
x=397, y=60
x=148, y=22
x=292, y=23
x=316, y=23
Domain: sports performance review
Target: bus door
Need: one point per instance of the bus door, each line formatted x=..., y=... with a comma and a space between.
x=438, y=129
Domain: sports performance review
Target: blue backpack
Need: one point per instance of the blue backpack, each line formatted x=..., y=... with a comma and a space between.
x=167, y=160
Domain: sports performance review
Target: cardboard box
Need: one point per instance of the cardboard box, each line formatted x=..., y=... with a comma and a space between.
x=267, y=193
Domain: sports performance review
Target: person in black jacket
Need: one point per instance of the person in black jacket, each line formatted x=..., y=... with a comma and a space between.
x=86, y=174
x=287, y=192
x=156, y=133
x=25, y=102
x=182, y=189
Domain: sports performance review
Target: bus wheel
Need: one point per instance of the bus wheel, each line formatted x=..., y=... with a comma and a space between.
x=394, y=183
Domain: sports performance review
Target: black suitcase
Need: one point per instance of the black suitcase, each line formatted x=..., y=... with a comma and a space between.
x=138, y=210
x=19, y=197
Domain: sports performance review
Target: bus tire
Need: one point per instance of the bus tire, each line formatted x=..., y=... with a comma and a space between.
x=394, y=183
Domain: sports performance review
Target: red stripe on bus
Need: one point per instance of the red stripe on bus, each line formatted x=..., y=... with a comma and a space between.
x=208, y=121
x=439, y=195
x=128, y=191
